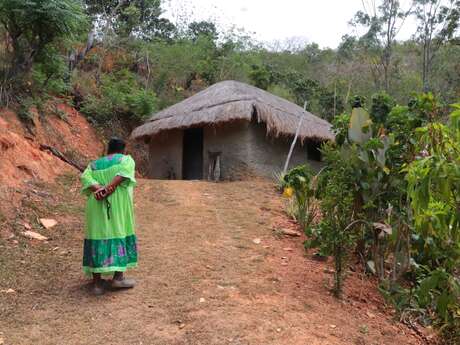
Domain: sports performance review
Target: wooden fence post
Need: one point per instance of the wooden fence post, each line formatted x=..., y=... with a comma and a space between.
x=286, y=165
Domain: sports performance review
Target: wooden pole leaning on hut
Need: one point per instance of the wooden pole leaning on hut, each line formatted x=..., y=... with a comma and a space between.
x=286, y=165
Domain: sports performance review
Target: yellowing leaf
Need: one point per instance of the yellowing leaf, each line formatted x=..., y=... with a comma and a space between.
x=288, y=192
x=360, y=119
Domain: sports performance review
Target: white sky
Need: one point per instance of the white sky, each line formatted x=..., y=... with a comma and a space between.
x=320, y=21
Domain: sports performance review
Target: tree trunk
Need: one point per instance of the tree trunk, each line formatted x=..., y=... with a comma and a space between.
x=425, y=66
x=22, y=59
x=338, y=275
x=76, y=57
x=17, y=59
x=386, y=61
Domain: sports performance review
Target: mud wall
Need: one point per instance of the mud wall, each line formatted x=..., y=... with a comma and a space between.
x=233, y=141
x=166, y=156
x=267, y=155
x=245, y=149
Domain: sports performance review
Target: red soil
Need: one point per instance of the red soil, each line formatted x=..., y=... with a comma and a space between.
x=20, y=154
x=22, y=161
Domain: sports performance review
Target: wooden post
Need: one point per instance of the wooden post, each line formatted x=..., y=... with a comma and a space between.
x=286, y=165
x=54, y=151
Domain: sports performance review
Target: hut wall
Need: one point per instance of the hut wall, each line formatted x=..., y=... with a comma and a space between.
x=166, y=156
x=245, y=148
x=267, y=155
x=233, y=141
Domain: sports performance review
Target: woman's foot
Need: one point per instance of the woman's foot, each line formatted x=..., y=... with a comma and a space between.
x=123, y=283
x=98, y=285
x=120, y=282
x=97, y=289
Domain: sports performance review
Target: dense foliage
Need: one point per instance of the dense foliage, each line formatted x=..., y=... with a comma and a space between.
x=34, y=30
x=120, y=94
x=72, y=48
x=391, y=197
x=433, y=188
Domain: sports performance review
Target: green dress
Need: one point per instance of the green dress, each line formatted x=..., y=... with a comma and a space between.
x=110, y=242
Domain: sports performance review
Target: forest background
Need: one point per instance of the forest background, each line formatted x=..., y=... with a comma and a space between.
x=123, y=60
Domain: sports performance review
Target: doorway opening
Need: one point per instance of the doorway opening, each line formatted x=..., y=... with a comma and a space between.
x=314, y=151
x=192, y=151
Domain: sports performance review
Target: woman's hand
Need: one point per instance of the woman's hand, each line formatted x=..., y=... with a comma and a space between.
x=97, y=191
x=95, y=187
x=110, y=189
x=104, y=192
x=113, y=185
x=100, y=193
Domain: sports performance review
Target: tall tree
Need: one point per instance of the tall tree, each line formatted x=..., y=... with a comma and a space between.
x=33, y=25
x=203, y=28
x=382, y=23
x=438, y=21
x=141, y=18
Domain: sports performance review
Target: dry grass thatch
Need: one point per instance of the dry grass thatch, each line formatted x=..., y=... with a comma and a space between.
x=230, y=101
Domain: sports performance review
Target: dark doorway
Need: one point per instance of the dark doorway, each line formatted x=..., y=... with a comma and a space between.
x=314, y=150
x=192, y=160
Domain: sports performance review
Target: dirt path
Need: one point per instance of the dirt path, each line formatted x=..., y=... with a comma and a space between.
x=202, y=280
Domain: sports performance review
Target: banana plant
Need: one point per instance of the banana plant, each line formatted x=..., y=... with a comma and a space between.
x=298, y=183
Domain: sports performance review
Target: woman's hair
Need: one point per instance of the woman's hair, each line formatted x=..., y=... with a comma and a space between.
x=116, y=145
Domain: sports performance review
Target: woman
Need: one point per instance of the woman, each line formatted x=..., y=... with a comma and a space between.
x=110, y=243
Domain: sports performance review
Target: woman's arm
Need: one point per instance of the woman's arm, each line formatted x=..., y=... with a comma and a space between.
x=95, y=187
x=89, y=183
x=112, y=186
x=117, y=180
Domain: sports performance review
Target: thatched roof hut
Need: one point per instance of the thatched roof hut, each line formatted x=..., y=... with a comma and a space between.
x=230, y=101
x=221, y=132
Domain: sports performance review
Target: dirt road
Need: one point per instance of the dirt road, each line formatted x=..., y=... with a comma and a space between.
x=203, y=279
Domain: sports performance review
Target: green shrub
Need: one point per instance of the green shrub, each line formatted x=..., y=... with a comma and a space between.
x=381, y=106
x=336, y=234
x=121, y=96
x=329, y=104
x=401, y=183
x=261, y=76
x=24, y=113
x=300, y=180
x=281, y=92
x=434, y=189
x=50, y=73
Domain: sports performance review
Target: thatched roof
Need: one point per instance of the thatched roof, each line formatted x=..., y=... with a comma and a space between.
x=230, y=101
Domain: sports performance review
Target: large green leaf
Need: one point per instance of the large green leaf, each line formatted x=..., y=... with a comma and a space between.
x=360, y=126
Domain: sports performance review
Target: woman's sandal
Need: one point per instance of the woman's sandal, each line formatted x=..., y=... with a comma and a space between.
x=97, y=290
x=123, y=284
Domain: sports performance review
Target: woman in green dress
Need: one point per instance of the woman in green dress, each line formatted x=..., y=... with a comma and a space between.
x=110, y=245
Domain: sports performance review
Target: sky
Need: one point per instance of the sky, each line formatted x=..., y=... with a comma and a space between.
x=320, y=21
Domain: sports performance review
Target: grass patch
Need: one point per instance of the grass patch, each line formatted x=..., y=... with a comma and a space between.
x=70, y=209
x=68, y=179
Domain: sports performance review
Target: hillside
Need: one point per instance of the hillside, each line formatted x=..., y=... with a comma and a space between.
x=25, y=162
